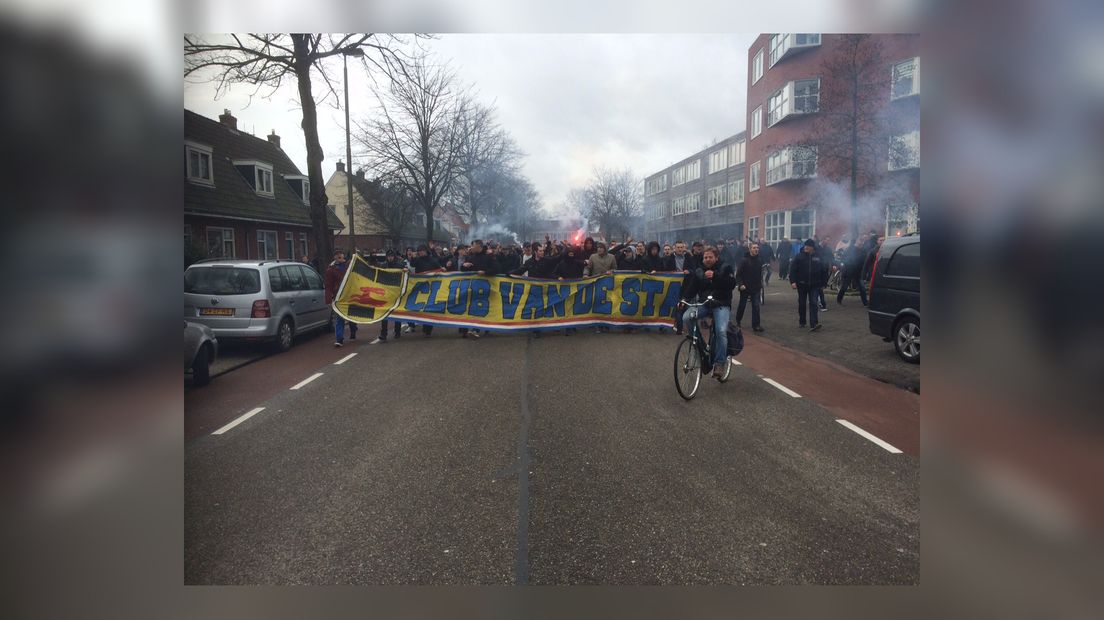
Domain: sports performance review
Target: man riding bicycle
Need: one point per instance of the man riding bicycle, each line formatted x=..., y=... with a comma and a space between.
x=716, y=279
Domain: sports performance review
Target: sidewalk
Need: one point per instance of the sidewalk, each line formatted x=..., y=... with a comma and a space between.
x=845, y=337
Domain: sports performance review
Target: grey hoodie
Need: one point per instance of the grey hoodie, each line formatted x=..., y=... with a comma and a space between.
x=600, y=264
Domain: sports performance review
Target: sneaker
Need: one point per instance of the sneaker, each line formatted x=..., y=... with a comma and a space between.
x=718, y=370
x=378, y=341
x=337, y=344
x=815, y=328
x=407, y=329
x=352, y=336
x=801, y=326
x=474, y=334
x=839, y=301
x=758, y=329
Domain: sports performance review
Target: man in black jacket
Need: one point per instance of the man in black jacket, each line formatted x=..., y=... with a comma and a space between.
x=713, y=279
x=808, y=275
x=749, y=277
x=852, y=266
x=785, y=253
x=422, y=263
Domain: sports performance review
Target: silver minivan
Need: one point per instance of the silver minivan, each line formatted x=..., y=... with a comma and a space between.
x=255, y=299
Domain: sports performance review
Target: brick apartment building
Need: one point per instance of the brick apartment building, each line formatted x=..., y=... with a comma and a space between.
x=700, y=197
x=243, y=197
x=790, y=193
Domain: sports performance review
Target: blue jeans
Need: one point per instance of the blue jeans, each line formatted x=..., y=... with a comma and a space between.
x=339, y=328
x=720, y=316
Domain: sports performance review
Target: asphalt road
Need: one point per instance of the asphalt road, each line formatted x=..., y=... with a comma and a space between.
x=512, y=460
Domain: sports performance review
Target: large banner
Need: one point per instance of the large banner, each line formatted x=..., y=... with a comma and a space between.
x=507, y=303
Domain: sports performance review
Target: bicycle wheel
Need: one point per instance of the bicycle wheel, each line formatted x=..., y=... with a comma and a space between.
x=688, y=369
x=728, y=370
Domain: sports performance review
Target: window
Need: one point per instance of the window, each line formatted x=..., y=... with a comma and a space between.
x=775, y=226
x=797, y=97
x=289, y=245
x=314, y=281
x=757, y=122
x=718, y=160
x=801, y=224
x=806, y=97
x=902, y=219
x=718, y=196
x=695, y=170
x=266, y=244
x=905, y=261
x=736, y=152
x=753, y=183
x=904, y=151
x=686, y=173
x=222, y=281
x=306, y=191
x=906, y=79
x=736, y=191
x=782, y=44
x=693, y=202
x=220, y=242
x=778, y=105
x=678, y=206
x=757, y=66
x=264, y=180
x=657, y=184
x=753, y=228
x=199, y=163
x=798, y=162
x=303, y=245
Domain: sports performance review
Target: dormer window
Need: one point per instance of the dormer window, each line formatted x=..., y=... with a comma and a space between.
x=198, y=158
x=258, y=174
x=300, y=185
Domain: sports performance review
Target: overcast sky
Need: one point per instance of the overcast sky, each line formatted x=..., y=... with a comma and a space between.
x=572, y=102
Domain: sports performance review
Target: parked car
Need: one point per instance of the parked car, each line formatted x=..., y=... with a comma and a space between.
x=264, y=300
x=200, y=351
x=894, y=308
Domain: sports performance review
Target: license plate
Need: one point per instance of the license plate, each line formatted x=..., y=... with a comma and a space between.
x=216, y=312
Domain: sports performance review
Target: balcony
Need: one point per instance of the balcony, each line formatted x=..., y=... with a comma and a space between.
x=792, y=164
x=785, y=45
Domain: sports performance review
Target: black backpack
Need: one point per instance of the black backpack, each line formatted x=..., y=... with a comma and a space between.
x=735, y=340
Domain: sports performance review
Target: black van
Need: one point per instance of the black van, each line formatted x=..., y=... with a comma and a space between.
x=894, y=308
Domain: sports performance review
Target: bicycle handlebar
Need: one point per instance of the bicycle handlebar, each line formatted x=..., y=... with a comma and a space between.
x=694, y=304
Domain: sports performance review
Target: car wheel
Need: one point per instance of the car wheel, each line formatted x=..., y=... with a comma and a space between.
x=285, y=333
x=201, y=366
x=906, y=339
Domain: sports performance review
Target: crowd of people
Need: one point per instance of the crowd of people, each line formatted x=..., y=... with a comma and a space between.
x=720, y=270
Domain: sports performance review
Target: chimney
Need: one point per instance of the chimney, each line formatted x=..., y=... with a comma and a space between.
x=340, y=166
x=360, y=174
x=228, y=119
x=273, y=138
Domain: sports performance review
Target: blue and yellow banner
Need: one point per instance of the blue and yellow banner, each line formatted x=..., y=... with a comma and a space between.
x=507, y=303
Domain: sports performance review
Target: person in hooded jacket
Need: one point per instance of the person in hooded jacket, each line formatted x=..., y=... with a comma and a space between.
x=589, y=248
x=628, y=261
x=653, y=259
x=713, y=279
x=571, y=267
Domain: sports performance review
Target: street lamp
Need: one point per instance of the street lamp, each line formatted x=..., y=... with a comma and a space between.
x=355, y=51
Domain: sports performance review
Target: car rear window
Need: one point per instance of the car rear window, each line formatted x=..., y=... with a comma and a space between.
x=222, y=281
x=906, y=261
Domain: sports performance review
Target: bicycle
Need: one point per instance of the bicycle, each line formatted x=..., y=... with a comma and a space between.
x=692, y=354
x=835, y=280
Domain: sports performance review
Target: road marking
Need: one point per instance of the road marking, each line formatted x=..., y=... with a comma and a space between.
x=245, y=417
x=782, y=387
x=860, y=431
x=306, y=381
x=344, y=359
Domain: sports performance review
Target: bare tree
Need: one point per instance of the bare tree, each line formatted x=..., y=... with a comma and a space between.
x=388, y=204
x=612, y=199
x=266, y=60
x=851, y=130
x=415, y=138
x=488, y=161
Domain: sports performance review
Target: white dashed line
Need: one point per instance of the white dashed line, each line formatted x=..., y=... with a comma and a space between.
x=306, y=381
x=344, y=359
x=860, y=431
x=243, y=418
x=782, y=387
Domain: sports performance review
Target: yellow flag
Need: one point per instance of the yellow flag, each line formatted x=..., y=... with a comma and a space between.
x=368, y=294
